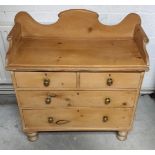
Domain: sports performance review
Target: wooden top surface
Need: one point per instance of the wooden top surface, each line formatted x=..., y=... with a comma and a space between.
x=76, y=53
x=77, y=41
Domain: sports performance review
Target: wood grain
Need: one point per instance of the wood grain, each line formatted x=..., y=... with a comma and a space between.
x=76, y=56
x=36, y=99
x=78, y=119
x=77, y=41
x=70, y=53
x=36, y=79
x=77, y=23
x=120, y=80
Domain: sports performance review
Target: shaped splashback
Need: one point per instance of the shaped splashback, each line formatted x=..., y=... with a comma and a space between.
x=77, y=24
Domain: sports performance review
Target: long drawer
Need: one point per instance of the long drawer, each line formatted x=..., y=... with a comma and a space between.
x=45, y=80
x=78, y=119
x=41, y=99
x=109, y=80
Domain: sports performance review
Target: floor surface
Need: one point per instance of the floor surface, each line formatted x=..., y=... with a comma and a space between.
x=141, y=137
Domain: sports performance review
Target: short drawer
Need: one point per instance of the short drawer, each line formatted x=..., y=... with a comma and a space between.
x=109, y=80
x=45, y=80
x=78, y=119
x=36, y=99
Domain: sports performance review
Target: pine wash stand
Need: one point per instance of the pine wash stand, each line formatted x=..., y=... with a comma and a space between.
x=77, y=74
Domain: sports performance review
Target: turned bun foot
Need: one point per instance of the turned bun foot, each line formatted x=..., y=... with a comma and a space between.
x=32, y=136
x=122, y=135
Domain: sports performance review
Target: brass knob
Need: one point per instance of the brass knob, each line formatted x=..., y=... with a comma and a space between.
x=48, y=100
x=107, y=100
x=105, y=118
x=46, y=82
x=109, y=81
x=50, y=120
x=49, y=97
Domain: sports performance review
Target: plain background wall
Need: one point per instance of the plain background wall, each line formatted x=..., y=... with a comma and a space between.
x=107, y=14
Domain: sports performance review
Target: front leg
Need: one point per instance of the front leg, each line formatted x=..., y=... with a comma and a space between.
x=122, y=135
x=32, y=136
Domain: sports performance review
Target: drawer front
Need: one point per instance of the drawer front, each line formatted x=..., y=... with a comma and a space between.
x=41, y=99
x=109, y=80
x=45, y=80
x=78, y=119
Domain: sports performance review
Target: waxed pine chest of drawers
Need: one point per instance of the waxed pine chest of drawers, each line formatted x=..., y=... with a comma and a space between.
x=77, y=74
